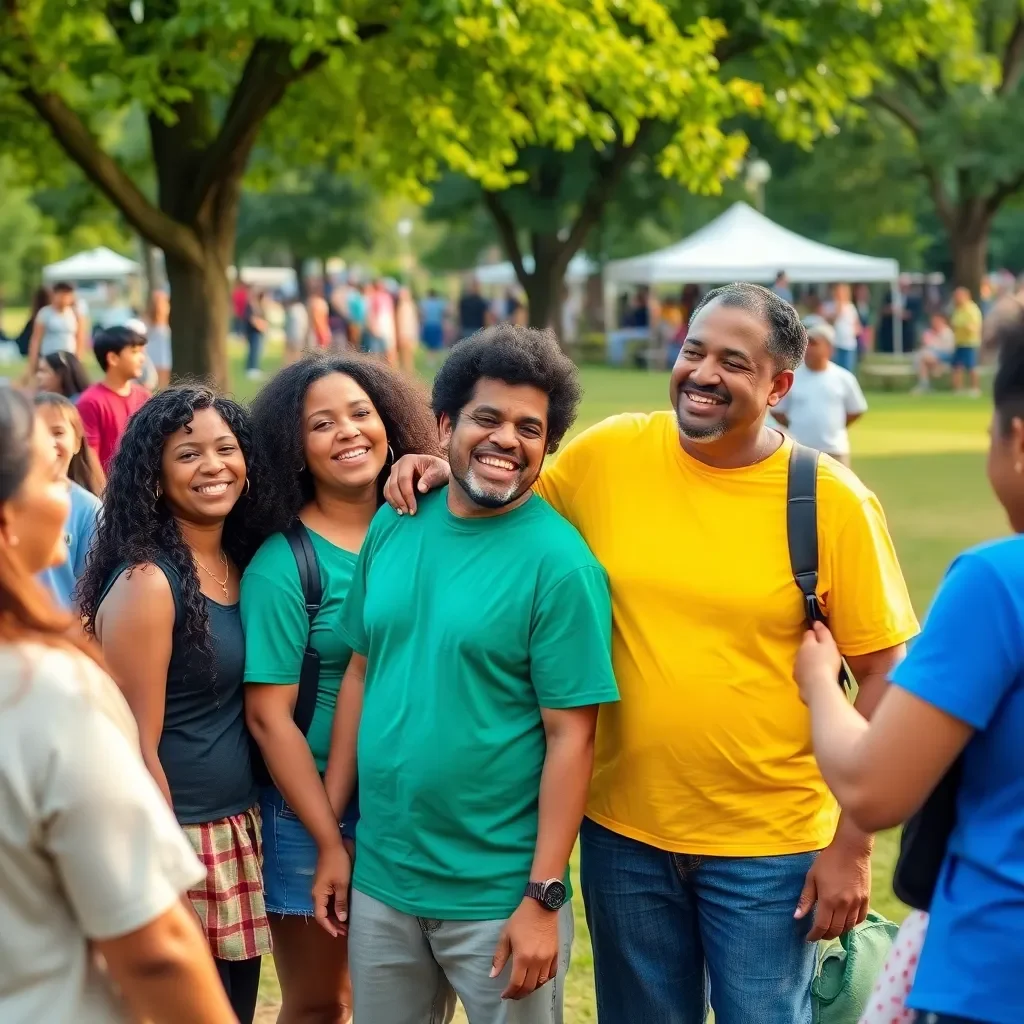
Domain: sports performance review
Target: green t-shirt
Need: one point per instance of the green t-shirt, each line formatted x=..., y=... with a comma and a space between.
x=470, y=627
x=276, y=626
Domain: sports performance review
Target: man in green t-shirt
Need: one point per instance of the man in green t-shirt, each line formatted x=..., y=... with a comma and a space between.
x=481, y=632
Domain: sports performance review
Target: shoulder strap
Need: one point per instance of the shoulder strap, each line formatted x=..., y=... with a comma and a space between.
x=312, y=594
x=802, y=527
x=802, y=533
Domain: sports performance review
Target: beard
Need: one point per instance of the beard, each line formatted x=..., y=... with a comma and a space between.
x=484, y=493
x=699, y=433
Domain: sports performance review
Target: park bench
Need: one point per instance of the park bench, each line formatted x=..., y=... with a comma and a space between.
x=887, y=373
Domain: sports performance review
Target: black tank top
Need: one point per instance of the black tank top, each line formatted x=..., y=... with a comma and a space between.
x=204, y=746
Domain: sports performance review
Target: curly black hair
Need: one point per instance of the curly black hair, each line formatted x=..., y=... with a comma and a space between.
x=515, y=355
x=787, y=336
x=136, y=525
x=400, y=401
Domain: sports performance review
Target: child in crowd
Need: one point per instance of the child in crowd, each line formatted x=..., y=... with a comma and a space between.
x=107, y=405
x=86, y=480
x=935, y=353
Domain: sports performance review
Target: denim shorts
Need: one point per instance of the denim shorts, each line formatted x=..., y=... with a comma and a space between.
x=290, y=853
x=965, y=356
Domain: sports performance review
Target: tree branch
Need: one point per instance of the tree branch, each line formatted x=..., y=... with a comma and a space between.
x=267, y=74
x=81, y=146
x=940, y=197
x=600, y=191
x=507, y=231
x=1013, y=58
x=899, y=110
x=1004, y=192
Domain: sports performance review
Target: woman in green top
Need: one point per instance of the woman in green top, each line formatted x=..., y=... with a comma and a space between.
x=333, y=426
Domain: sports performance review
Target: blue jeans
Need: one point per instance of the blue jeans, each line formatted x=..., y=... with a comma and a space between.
x=846, y=358
x=665, y=926
x=255, y=340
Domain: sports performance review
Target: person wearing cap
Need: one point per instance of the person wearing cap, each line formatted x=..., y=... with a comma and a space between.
x=825, y=398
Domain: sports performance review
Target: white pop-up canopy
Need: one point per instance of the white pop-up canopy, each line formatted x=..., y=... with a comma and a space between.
x=744, y=245
x=504, y=274
x=100, y=264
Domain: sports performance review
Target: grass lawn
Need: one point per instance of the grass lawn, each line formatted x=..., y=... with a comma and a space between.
x=924, y=457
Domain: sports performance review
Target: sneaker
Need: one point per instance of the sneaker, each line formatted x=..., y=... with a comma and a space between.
x=973, y=393
x=920, y=389
x=254, y=374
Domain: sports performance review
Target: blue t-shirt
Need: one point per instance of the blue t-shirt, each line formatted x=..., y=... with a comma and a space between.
x=78, y=533
x=969, y=662
x=432, y=309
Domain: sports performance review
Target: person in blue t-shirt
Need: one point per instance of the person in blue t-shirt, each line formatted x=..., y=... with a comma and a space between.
x=961, y=689
x=86, y=480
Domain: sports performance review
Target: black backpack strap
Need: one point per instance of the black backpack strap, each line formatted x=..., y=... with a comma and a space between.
x=802, y=527
x=802, y=534
x=312, y=593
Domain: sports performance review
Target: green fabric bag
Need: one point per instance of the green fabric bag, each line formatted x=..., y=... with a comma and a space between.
x=847, y=970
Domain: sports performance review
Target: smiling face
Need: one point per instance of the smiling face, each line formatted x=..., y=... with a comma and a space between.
x=66, y=440
x=496, y=447
x=725, y=378
x=346, y=443
x=32, y=521
x=203, y=469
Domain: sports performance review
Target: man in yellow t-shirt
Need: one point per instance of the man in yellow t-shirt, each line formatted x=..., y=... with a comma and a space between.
x=966, y=322
x=710, y=835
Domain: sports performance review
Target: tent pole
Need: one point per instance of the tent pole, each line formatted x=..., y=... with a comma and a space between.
x=897, y=317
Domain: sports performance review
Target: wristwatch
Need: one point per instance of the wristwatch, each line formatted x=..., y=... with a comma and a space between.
x=550, y=894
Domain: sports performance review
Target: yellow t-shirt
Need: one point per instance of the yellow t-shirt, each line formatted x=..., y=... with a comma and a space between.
x=709, y=749
x=966, y=322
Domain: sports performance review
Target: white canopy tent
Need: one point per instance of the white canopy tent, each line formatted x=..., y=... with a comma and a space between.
x=744, y=245
x=504, y=274
x=100, y=264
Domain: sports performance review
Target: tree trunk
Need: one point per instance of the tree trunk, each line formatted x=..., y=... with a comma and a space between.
x=298, y=263
x=200, y=312
x=544, y=287
x=970, y=255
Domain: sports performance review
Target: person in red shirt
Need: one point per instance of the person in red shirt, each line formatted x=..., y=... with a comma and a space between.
x=106, y=407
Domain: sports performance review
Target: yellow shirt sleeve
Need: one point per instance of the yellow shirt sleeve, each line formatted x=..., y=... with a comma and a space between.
x=867, y=603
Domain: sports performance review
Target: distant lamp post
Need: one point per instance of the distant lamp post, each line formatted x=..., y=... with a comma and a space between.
x=759, y=173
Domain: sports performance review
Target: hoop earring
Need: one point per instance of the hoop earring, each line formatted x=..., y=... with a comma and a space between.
x=158, y=492
x=391, y=452
x=247, y=487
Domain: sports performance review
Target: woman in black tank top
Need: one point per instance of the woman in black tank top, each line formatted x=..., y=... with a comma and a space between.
x=160, y=593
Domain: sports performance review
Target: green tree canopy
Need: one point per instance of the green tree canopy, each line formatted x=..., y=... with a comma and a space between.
x=961, y=110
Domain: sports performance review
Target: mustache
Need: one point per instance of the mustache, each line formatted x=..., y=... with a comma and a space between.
x=501, y=454
x=717, y=391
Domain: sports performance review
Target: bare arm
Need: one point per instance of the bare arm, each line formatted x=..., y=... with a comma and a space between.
x=531, y=935
x=882, y=773
x=165, y=972
x=140, y=605
x=80, y=336
x=268, y=714
x=851, y=417
x=340, y=778
x=34, y=344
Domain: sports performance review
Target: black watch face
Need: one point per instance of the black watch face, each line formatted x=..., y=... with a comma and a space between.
x=554, y=895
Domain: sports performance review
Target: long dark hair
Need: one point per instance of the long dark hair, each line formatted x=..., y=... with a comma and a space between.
x=136, y=525
x=27, y=612
x=400, y=401
x=69, y=370
x=85, y=468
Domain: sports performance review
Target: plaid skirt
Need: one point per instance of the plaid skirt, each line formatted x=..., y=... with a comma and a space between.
x=229, y=901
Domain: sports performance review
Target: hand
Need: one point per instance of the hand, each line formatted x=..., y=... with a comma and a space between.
x=430, y=471
x=330, y=889
x=530, y=938
x=818, y=662
x=840, y=883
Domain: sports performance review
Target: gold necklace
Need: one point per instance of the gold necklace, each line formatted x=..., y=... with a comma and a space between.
x=223, y=584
